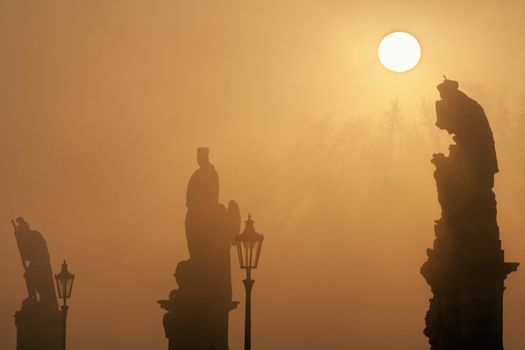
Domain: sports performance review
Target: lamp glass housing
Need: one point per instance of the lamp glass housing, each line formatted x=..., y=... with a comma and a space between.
x=64, y=281
x=249, y=244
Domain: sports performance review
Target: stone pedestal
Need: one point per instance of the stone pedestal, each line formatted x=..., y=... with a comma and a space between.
x=38, y=327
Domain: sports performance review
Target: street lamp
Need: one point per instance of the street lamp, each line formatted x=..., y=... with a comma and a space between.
x=64, y=281
x=249, y=245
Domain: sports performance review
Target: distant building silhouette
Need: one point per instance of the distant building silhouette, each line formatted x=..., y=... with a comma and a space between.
x=198, y=310
x=466, y=267
x=38, y=322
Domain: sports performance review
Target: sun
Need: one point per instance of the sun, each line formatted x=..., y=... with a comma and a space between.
x=399, y=51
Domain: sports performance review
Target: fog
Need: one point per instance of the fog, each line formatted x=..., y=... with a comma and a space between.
x=103, y=105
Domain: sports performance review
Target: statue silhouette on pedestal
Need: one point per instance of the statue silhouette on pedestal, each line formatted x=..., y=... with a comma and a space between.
x=198, y=310
x=465, y=268
x=38, y=321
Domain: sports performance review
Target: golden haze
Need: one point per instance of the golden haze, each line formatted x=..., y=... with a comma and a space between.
x=102, y=105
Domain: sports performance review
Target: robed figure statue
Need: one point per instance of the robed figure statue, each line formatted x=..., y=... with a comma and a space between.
x=197, y=317
x=466, y=266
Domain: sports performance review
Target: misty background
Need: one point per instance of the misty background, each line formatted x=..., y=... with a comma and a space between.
x=102, y=107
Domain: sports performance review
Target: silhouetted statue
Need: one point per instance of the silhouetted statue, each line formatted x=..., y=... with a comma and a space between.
x=38, y=273
x=465, y=268
x=197, y=317
x=38, y=321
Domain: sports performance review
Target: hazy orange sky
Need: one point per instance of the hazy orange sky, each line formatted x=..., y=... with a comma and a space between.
x=102, y=107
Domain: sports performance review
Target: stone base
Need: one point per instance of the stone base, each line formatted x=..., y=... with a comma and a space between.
x=38, y=327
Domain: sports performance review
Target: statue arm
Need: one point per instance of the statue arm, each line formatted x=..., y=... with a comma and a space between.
x=233, y=220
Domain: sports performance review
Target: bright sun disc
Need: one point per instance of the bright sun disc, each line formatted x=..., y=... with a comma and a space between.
x=399, y=51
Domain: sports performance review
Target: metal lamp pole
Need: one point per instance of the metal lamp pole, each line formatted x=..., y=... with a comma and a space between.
x=64, y=309
x=248, y=284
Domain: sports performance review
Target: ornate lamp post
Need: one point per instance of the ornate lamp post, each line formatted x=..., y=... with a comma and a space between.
x=249, y=245
x=64, y=281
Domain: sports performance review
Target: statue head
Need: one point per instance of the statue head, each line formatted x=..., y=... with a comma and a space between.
x=22, y=224
x=447, y=108
x=203, y=156
x=448, y=88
